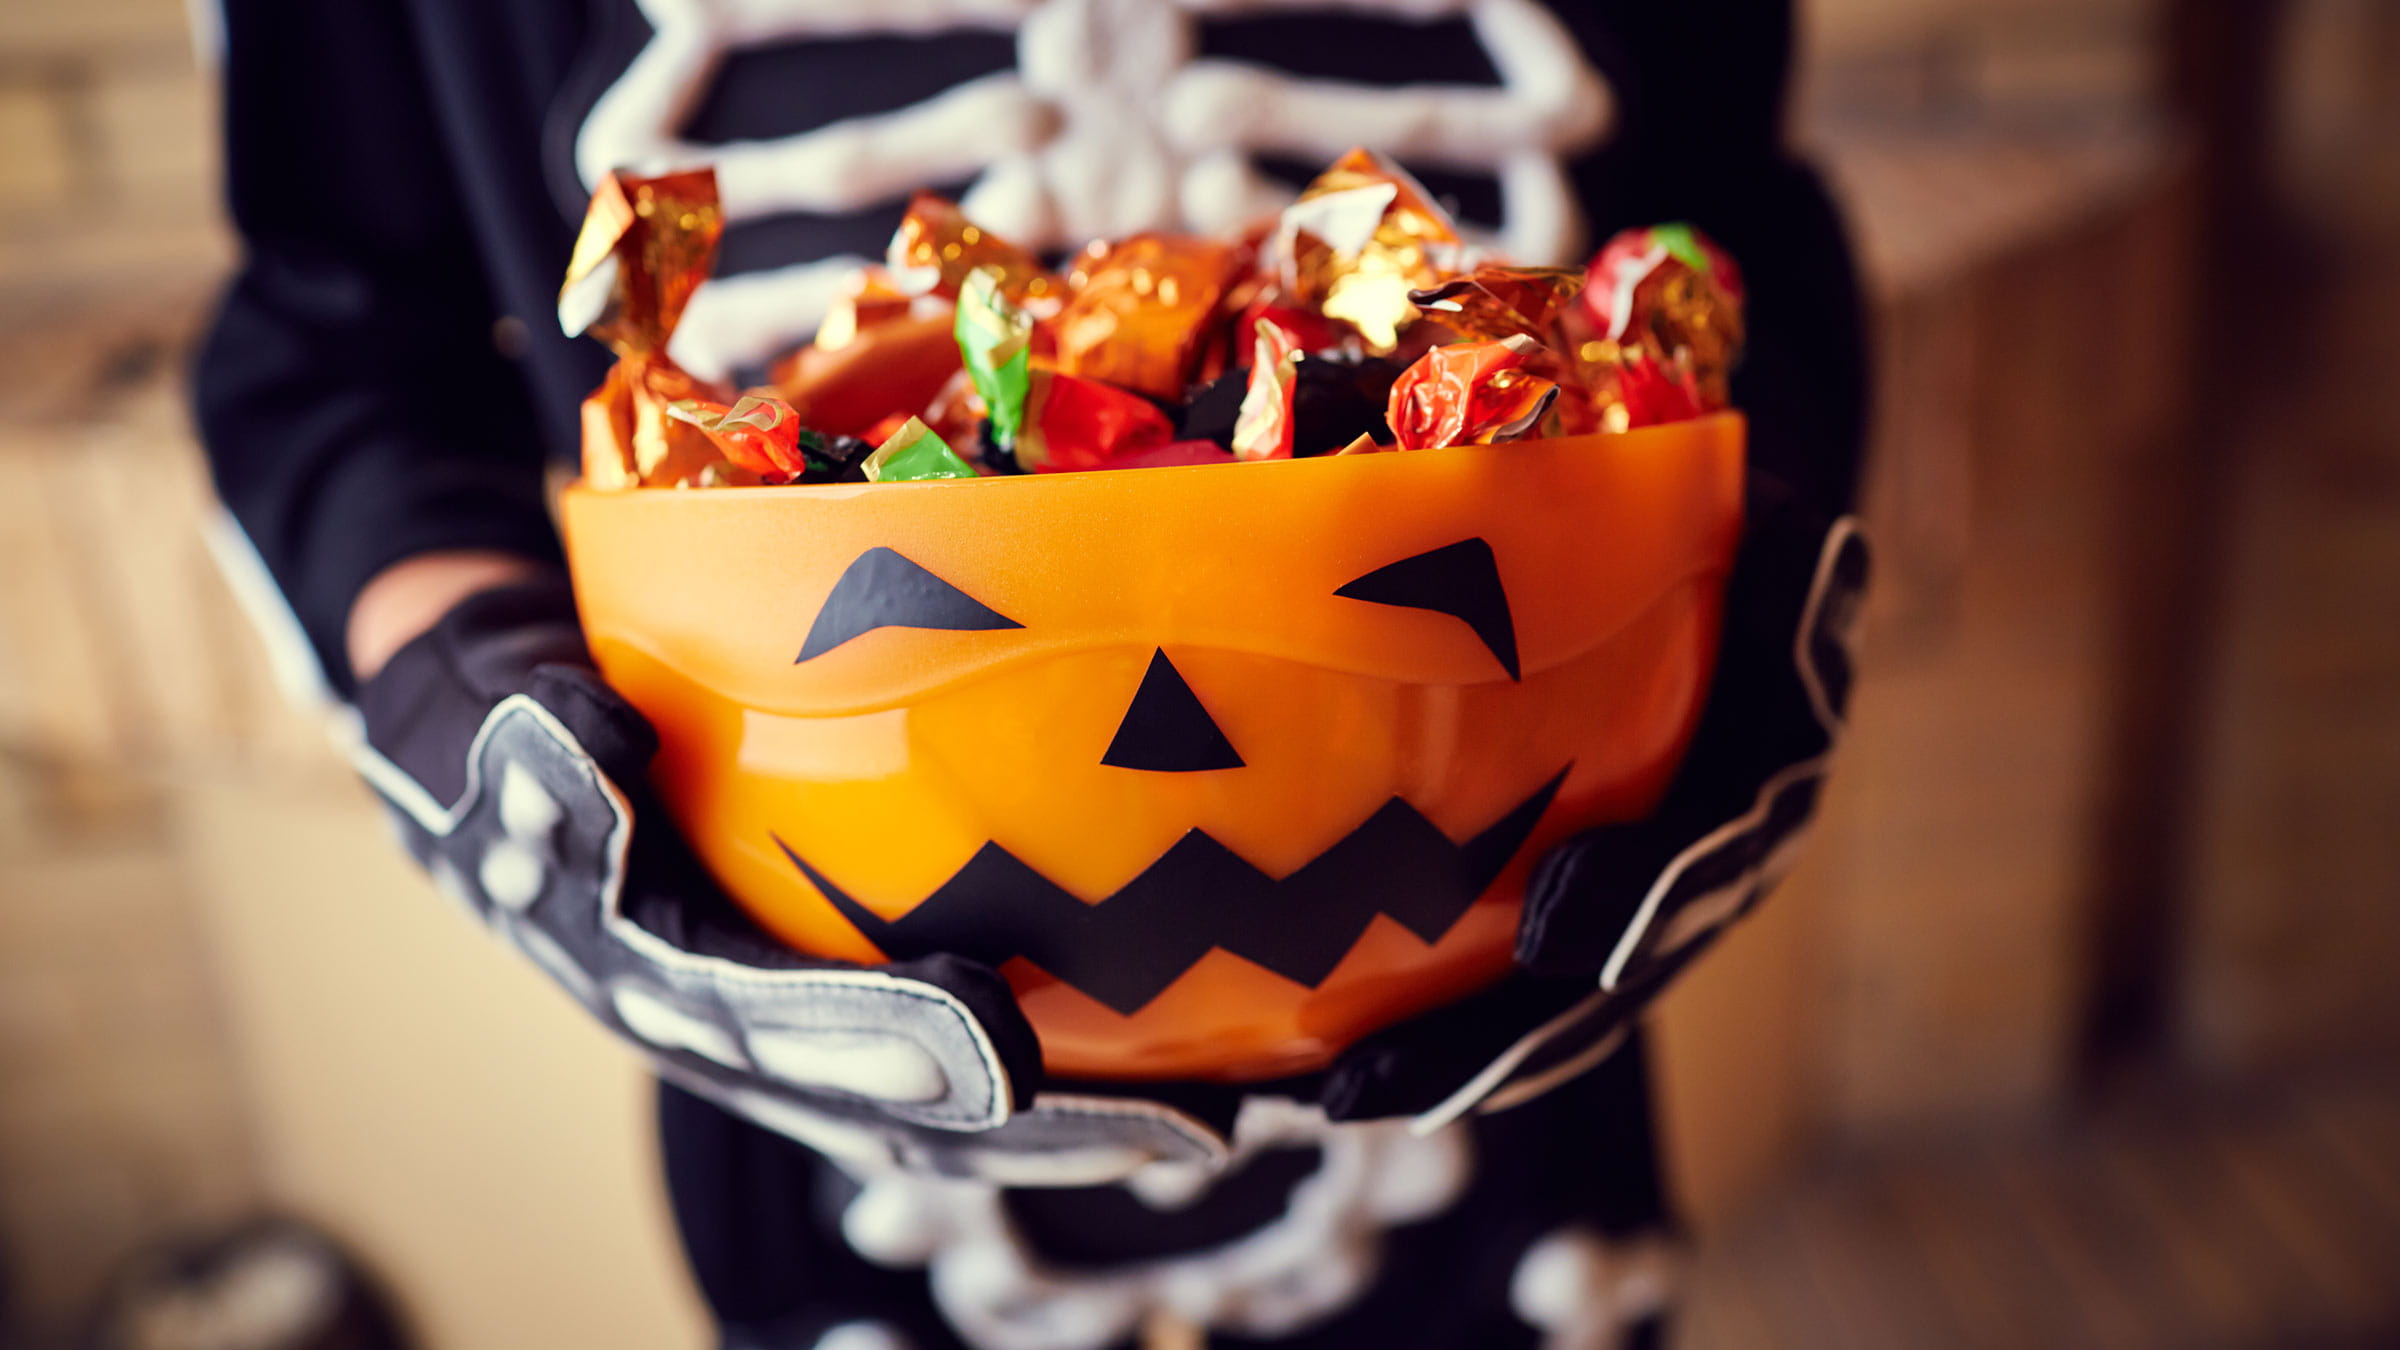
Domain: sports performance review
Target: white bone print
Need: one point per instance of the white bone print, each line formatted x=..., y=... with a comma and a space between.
x=1108, y=125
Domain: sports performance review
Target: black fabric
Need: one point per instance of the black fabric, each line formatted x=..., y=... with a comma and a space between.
x=1757, y=721
x=386, y=376
x=424, y=712
x=1088, y=1228
x=759, y=1217
x=1796, y=576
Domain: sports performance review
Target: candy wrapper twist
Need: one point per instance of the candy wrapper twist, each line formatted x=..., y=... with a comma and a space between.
x=1361, y=319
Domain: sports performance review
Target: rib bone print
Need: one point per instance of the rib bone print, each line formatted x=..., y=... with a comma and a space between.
x=1110, y=123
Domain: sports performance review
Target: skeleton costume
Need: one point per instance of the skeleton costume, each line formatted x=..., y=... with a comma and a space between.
x=868, y=1158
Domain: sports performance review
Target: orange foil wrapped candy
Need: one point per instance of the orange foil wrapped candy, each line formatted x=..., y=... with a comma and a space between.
x=1359, y=240
x=897, y=366
x=1469, y=393
x=937, y=246
x=646, y=245
x=1494, y=302
x=1140, y=310
x=759, y=434
x=868, y=301
x=1073, y=423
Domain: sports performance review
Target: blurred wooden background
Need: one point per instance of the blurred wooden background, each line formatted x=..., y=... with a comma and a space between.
x=2118, y=810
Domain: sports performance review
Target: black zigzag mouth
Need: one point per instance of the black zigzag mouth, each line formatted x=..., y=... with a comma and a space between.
x=1200, y=895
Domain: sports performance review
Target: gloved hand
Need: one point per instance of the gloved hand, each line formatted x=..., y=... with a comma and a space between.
x=1612, y=915
x=519, y=780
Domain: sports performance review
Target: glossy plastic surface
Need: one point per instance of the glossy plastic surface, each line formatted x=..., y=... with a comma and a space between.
x=889, y=761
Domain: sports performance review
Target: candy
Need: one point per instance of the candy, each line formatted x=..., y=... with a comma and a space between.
x=1336, y=399
x=1262, y=428
x=937, y=247
x=1669, y=305
x=869, y=301
x=1073, y=423
x=834, y=459
x=914, y=454
x=1469, y=393
x=994, y=339
x=758, y=434
x=645, y=245
x=1494, y=302
x=897, y=366
x=1356, y=322
x=1632, y=254
x=1311, y=331
x=1140, y=309
x=1640, y=391
x=1359, y=239
x=956, y=412
x=1174, y=454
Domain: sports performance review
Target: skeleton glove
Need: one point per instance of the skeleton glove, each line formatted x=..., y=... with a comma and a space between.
x=518, y=779
x=1612, y=915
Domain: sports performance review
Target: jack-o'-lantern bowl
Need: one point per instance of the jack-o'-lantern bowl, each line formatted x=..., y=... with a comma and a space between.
x=1223, y=766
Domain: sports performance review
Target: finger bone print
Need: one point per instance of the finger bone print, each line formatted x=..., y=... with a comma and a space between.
x=1111, y=123
x=855, y=1063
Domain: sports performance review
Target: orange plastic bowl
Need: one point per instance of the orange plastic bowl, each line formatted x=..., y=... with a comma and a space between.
x=1223, y=766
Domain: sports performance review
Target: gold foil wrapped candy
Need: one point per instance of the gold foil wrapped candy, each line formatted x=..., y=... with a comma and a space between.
x=646, y=245
x=937, y=246
x=1361, y=237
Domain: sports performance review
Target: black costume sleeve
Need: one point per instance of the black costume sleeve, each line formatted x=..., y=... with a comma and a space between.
x=355, y=408
x=1701, y=90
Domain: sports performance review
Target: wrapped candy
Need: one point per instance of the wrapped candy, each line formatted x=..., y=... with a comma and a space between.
x=645, y=246
x=1355, y=322
x=869, y=301
x=1359, y=239
x=957, y=412
x=896, y=366
x=628, y=438
x=1262, y=428
x=1494, y=302
x=1669, y=305
x=1139, y=311
x=1073, y=423
x=1632, y=255
x=759, y=434
x=995, y=341
x=937, y=247
x=1469, y=393
x=1336, y=398
x=1173, y=454
x=1311, y=331
x=913, y=454
x=834, y=459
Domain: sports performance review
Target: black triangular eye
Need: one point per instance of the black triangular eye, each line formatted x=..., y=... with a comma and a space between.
x=884, y=590
x=1461, y=580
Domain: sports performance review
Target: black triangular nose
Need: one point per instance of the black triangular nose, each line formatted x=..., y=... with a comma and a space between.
x=1166, y=730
